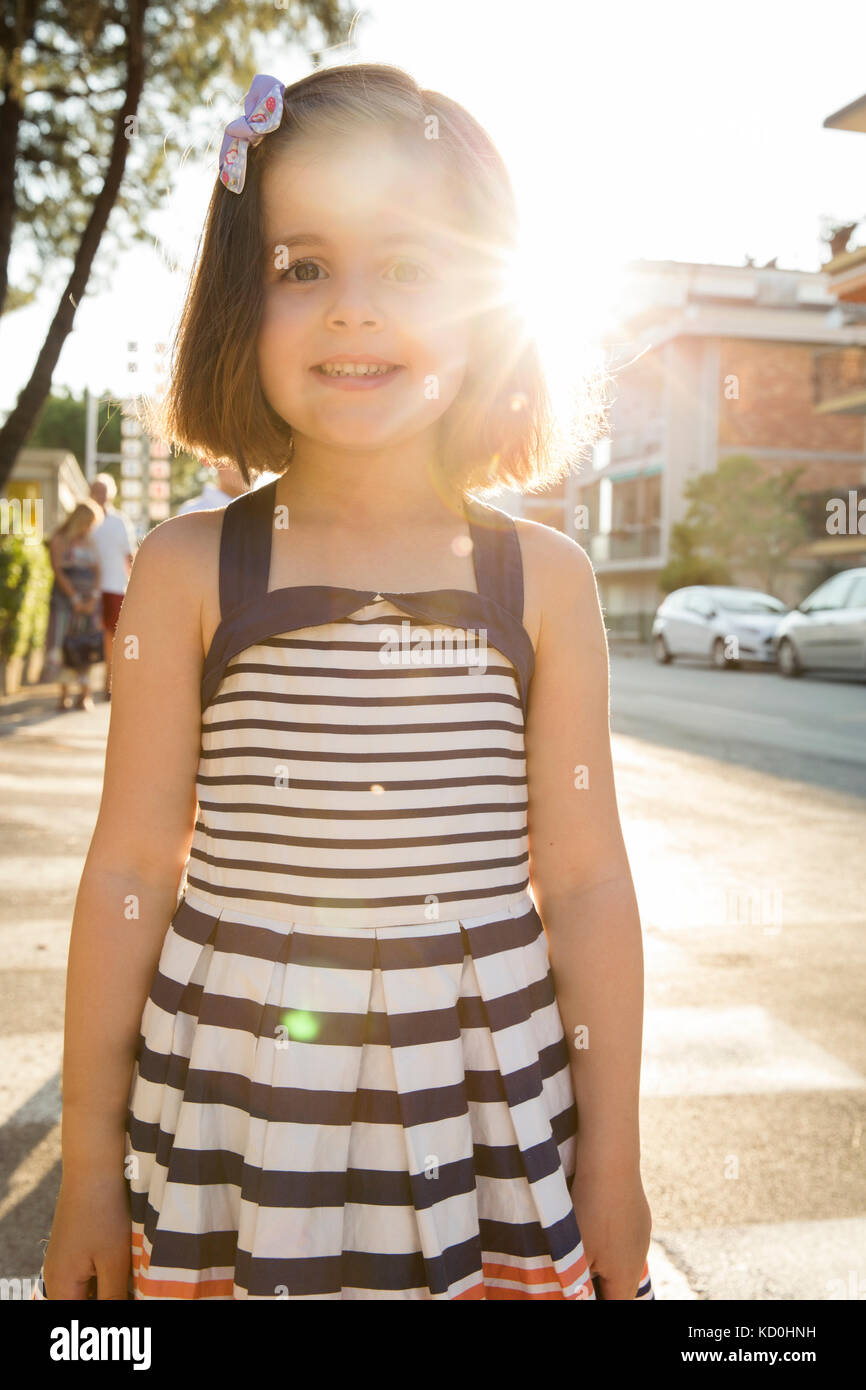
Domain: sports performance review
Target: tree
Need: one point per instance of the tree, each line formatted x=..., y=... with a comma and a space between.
x=739, y=521
x=89, y=87
x=62, y=425
x=686, y=565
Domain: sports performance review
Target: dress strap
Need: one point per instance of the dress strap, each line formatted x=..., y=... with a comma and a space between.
x=245, y=547
x=496, y=552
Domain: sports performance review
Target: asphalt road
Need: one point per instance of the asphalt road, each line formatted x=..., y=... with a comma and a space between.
x=743, y=800
x=811, y=729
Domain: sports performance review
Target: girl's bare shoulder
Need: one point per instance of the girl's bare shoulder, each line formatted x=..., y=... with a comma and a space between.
x=180, y=558
x=186, y=545
x=558, y=578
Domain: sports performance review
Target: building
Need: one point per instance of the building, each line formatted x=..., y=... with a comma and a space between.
x=50, y=478
x=710, y=361
x=841, y=383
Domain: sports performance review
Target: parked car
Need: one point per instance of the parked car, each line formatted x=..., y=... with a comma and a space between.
x=827, y=631
x=699, y=621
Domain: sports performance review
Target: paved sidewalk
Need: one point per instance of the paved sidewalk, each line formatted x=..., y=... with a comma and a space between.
x=753, y=1082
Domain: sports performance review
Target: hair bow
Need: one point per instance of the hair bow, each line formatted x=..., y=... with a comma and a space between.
x=263, y=111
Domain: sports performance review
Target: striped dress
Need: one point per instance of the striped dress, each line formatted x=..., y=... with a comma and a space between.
x=352, y=1079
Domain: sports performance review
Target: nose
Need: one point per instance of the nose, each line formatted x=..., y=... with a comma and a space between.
x=352, y=307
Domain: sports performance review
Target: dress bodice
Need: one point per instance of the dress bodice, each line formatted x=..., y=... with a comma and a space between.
x=362, y=757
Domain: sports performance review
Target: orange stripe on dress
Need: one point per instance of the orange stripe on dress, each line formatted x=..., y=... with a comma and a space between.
x=172, y=1288
x=541, y=1275
x=168, y=1288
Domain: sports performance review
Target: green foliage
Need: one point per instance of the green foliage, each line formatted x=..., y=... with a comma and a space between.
x=71, y=69
x=687, y=565
x=62, y=425
x=26, y=579
x=740, y=521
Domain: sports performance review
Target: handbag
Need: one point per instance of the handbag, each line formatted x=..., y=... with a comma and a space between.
x=82, y=645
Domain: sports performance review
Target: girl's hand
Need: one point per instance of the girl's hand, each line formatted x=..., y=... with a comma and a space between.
x=615, y=1222
x=89, y=1250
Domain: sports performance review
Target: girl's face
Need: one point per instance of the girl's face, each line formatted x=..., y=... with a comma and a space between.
x=360, y=263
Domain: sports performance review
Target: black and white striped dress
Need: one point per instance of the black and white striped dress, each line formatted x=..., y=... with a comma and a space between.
x=352, y=1079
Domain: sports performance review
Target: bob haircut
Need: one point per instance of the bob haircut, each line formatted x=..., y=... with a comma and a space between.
x=501, y=430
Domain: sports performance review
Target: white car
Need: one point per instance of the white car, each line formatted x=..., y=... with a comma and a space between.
x=718, y=623
x=828, y=629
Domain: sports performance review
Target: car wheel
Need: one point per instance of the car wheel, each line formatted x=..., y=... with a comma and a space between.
x=721, y=661
x=789, y=662
x=660, y=651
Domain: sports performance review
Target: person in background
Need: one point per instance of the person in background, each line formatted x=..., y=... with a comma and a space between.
x=229, y=484
x=77, y=583
x=116, y=544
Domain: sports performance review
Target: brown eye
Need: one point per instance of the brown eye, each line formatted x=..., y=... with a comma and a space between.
x=304, y=268
x=412, y=278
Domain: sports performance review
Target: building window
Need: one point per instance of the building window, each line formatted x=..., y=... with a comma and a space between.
x=629, y=518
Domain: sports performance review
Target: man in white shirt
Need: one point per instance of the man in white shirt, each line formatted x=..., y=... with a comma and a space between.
x=229, y=485
x=115, y=542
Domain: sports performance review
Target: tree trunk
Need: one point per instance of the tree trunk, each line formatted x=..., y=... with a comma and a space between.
x=24, y=414
x=10, y=119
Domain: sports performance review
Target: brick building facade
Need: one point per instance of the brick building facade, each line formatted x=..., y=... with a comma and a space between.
x=712, y=361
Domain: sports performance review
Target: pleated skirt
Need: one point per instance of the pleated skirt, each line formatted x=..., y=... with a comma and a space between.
x=356, y=1113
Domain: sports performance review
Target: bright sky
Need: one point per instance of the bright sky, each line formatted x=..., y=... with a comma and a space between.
x=673, y=130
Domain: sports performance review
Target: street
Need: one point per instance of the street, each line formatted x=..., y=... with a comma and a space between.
x=812, y=728
x=743, y=801
x=750, y=883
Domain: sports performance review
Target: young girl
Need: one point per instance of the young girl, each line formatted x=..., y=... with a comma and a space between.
x=360, y=721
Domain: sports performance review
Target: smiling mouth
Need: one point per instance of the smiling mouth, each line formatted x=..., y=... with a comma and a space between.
x=355, y=369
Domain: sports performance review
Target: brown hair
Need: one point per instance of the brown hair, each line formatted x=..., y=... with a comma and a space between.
x=501, y=431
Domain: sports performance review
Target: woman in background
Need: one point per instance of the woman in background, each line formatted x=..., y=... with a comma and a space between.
x=75, y=594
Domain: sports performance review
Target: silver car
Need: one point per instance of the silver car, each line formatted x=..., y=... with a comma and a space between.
x=828, y=629
x=718, y=623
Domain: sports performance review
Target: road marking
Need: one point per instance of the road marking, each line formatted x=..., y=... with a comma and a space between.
x=779, y=1260
x=668, y=1280
x=734, y=1051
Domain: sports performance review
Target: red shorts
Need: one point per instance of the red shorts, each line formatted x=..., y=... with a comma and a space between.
x=111, y=610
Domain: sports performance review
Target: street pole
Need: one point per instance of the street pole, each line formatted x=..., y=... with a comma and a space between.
x=91, y=413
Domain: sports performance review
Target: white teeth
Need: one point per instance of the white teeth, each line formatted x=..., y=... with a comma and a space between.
x=353, y=369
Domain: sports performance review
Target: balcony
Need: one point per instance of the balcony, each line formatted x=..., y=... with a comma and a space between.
x=816, y=511
x=627, y=543
x=839, y=381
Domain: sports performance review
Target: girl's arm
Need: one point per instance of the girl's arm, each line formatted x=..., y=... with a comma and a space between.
x=583, y=888
x=128, y=889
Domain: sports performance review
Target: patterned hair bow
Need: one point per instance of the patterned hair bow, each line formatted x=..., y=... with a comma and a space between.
x=263, y=111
